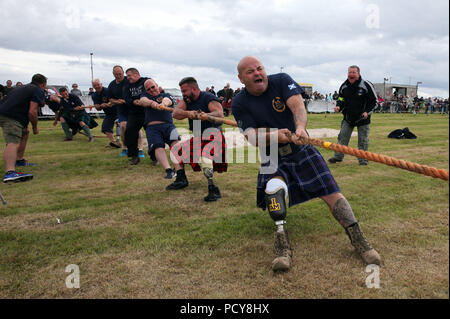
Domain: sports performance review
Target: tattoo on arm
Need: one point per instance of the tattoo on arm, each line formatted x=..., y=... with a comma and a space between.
x=343, y=213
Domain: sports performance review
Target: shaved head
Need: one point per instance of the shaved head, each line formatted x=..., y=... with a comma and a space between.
x=252, y=75
x=245, y=60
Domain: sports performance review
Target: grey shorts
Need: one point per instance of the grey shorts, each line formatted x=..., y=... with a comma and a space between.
x=13, y=131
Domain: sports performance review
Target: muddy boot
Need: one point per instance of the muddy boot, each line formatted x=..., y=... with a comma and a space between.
x=362, y=246
x=283, y=252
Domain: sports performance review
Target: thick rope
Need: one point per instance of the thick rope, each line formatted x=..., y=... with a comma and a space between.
x=391, y=161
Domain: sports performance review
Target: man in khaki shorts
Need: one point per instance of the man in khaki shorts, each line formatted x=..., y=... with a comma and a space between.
x=17, y=110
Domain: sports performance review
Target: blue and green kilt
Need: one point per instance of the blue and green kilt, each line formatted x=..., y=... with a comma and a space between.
x=306, y=174
x=74, y=117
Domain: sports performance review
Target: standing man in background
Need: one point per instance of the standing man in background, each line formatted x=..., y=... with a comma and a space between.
x=357, y=100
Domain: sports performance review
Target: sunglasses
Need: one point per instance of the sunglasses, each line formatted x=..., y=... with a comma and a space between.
x=151, y=88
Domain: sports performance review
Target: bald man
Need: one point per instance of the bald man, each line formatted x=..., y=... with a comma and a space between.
x=101, y=102
x=158, y=124
x=270, y=110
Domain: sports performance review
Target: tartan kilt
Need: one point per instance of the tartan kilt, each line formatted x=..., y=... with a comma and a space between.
x=306, y=174
x=212, y=147
x=73, y=118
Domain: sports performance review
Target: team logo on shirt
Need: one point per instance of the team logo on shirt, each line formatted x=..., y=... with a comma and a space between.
x=159, y=99
x=105, y=99
x=278, y=105
x=292, y=86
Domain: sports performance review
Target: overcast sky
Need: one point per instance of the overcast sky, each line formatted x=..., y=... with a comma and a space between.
x=313, y=41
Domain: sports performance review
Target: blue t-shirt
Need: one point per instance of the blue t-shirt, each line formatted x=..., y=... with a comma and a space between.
x=102, y=97
x=152, y=114
x=202, y=104
x=116, y=90
x=16, y=104
x=133, y=92
x=268, y=110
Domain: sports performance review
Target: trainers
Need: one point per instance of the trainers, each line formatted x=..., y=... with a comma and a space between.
x=334, y=160
x=363, y=163
x=91, y=139
x=124, y=152
x=13, y=176
x=180, y=181
x=283, y=252
x=141, y=154
x=24, y=162
x=115, y=145
x=362, y=245
x=67, y=139
x=170, y=173
x=135, y=160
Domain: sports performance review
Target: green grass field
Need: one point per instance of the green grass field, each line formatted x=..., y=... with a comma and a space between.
x=133, y=239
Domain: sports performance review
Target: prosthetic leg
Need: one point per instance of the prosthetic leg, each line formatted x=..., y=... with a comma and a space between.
x=276, y=196
x=213, y=190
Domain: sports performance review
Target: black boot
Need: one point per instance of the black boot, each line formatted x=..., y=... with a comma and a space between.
x=180, y=181
x=213, y=194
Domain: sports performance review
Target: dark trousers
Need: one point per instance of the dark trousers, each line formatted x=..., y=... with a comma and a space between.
x=134, y=124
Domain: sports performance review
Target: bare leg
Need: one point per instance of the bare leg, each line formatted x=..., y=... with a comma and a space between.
x=10, y=156
x=22, y=146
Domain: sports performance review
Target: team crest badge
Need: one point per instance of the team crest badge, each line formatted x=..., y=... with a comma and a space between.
x=159, y=100
x=278, y=105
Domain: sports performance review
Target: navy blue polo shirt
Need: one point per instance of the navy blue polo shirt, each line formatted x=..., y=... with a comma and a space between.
x=16, y=104
x=152, y=114
x=102, y=97
x=269, y=110
x=133, y=91
x=202, y=104
x=116, y=90
x=72, y=102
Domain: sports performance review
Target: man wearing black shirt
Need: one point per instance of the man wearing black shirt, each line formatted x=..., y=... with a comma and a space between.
x=357, y=100
x=16, y=111
x=136, y=114
x=73, y=115
x=116, y=92
x=101, y=102
x=206, y=150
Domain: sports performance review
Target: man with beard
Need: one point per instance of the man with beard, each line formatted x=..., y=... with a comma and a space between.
x=206, y=150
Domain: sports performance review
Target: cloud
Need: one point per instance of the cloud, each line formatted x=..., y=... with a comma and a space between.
x=312, y=41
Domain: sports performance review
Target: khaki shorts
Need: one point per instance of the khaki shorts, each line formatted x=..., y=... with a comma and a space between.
x=13, y=131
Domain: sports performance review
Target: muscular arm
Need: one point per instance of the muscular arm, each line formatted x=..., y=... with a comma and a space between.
x=180, y=112
x=33, y=116
x=215, y=109
x=298, y=109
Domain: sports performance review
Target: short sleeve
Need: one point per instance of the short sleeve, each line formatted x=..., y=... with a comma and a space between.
x=243, y=119
x=289, y=87
x=38, y=96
